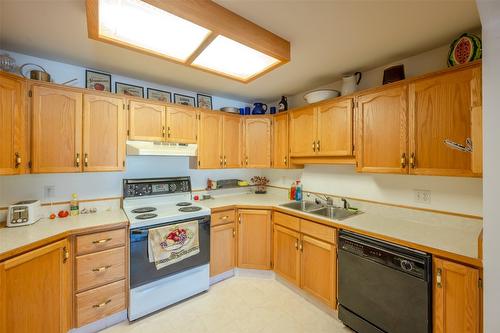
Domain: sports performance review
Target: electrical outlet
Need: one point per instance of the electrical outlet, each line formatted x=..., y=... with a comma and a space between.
x=422, y=196
x=49, y=192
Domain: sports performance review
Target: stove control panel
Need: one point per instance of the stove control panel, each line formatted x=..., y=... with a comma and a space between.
x=155, y=186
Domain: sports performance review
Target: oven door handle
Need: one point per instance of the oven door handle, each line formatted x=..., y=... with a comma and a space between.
x=139, y=232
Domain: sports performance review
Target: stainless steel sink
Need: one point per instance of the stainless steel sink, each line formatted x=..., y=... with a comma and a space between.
x=305, y=206
x=334, y=213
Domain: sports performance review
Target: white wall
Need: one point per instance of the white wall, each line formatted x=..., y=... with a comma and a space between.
x=453, y=194
x=62, y=72
x=490, y=19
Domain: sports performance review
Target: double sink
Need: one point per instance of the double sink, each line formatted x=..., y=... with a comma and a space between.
x=328, y=211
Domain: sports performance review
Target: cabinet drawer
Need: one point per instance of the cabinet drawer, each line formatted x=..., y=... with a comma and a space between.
x=318, y=231
x=101, y=302
x=99, y=268
x=286, y=221
x=100, y=241
x=223, y=217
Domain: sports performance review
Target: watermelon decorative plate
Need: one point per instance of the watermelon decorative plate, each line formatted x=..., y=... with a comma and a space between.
x=464, y=49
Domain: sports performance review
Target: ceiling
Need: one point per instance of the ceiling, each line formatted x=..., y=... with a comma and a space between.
x=327, y=38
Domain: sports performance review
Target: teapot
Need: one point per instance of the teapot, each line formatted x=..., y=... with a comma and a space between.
x=350, y=83
x=259, y=108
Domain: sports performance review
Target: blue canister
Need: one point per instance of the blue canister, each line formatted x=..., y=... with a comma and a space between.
x=273, y=110
x=242, y=111
x=247, y=110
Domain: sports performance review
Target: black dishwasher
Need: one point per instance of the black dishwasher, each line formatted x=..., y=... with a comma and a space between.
x=383, y=287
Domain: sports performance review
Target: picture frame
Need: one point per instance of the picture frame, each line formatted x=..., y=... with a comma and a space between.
x=97, y=80
x=204, y=101
x=184, y=100
x=129, y=89
x=159, y=95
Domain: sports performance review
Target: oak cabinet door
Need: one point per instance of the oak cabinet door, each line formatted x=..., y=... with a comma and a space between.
x=381, y=126
x=254, y=239
x=146, y=121
x=182, y=125
x=35, y=291
x=303, y=129
x=456, y=297
x=318, y=269
x=232, y=141
x=280, y=141
x=258, y=142
x=104, y=133
x=57, y=130
x=286, y=254
x=222, y=248
x=210, y=141
x=334, y=129
x=13, y=154
x=446, y=107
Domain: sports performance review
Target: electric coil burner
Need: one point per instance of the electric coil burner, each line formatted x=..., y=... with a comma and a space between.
x=146, y=216
x=189, y=209
x=183, y=204
x=143, y=210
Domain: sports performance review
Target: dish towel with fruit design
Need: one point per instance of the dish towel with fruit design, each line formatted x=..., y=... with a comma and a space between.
x=173, y=243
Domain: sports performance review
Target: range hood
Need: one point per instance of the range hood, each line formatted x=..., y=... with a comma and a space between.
x=161, y=148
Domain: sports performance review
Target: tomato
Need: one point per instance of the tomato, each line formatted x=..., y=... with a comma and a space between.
x=52, y=216
x=63, y=213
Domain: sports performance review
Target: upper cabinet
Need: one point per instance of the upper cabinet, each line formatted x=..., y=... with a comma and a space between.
x=445, y=112
x=322, y=133
x=382, y=135
x=182, y=124
x=13, y=136
x=57, y=130
x=280, y=158
x=232, y=144
x=104, y=133
x=210, y=141
x=430, y=126
x=257, y=142
x=146, y=121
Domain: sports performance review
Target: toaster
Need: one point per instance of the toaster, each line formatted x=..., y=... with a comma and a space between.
x=24, y=213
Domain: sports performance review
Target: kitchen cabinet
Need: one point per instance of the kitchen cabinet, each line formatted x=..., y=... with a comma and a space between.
x=456, y=293
x=222, y=248
x=14, y=133
x=382, y=133
x=323, y=130
x=210, y=141
x=446, y=107
x=257, y=142
x=286, y=254
x=182, y=124
x=56, y=130
x=254, y=239
x=146, y=121
x=35, y=291
x=104, y=133
x=232, y=143
x=281, y=159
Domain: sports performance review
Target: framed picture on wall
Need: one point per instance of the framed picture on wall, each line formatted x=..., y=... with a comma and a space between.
x=204, y=101
x=159, y=95
x=184, y=100
x=129, y=89
x=97, y=80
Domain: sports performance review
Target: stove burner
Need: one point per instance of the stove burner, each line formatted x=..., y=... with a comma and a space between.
x=183, y=203
x=143, y=210
x=189, y=209
x=146, y=216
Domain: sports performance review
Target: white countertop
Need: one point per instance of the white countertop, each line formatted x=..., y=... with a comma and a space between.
x=13, y=238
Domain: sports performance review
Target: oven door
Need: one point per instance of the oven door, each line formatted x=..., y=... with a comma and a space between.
x=142, y=271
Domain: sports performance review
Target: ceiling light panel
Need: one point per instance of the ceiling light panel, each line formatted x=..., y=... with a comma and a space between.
x=139, y=24
x=231, y=58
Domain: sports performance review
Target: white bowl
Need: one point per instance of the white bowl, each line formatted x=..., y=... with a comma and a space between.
x=320, y=95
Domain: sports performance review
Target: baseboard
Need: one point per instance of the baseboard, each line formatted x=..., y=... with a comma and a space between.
x=222, y=277
x=254, y=273
x=101, y=324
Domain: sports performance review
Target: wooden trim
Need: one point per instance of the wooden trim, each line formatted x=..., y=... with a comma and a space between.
x=344, y=160
x=209, y=39
x=480, y=246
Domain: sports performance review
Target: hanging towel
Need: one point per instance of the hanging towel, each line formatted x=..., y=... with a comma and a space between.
x=173, y=243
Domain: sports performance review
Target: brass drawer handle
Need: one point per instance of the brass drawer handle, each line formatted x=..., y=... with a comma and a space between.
x=101, y=269
x=225, y=217
x=97, y=306
x=100, y=241
x=438, y=278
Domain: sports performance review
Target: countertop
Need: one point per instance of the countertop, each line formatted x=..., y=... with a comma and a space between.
x=13, y=240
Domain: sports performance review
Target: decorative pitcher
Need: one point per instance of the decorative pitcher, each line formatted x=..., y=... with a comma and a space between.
x=259, y=108
x=350, y=83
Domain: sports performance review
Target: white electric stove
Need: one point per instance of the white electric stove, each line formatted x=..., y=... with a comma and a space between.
x=157, y=202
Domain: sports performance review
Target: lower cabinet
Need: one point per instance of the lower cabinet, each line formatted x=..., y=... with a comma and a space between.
x=254, y=239
x=456, y=298
x=305, y=254
x=222, y=248
x=35, y=291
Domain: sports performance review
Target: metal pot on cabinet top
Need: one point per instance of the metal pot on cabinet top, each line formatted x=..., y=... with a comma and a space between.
x=35, y=74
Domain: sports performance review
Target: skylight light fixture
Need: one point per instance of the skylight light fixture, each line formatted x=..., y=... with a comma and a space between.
x=196, y=33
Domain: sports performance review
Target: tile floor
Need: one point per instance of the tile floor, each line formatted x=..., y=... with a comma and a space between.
x=239, y=304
